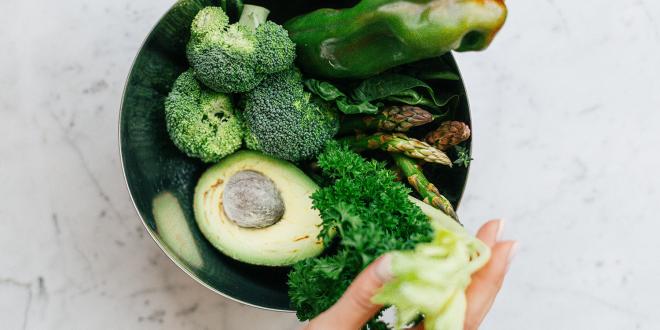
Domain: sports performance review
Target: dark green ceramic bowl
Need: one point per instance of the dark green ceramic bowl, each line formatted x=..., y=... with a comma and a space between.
x=161, y=179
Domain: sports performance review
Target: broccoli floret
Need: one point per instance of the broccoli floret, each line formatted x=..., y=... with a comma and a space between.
x=201, y=122
x=236, y=58
x=284, y=120
x=275, y=51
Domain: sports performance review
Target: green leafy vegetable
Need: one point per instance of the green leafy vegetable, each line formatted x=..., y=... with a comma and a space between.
x=402, y=88
x=464, y=158
x=371, y=213
x=329, y=92
x=324, y=90
x=438, y=75
x=393, y=87
x=435, y=68
x=432, y=279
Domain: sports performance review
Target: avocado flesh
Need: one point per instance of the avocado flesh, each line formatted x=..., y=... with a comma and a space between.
x=173, y=229
x=291, y=239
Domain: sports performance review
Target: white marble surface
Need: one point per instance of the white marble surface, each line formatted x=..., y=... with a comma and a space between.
x=566, y=116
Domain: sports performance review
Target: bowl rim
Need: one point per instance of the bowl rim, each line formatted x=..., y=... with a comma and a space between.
x=153, y=235
x=130, y=194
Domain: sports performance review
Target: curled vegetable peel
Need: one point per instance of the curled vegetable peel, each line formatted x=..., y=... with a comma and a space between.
x=431, y=279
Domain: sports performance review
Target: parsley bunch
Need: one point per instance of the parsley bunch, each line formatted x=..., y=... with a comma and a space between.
x=370, y=213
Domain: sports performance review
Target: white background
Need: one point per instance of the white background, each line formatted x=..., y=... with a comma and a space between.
x=566, y=108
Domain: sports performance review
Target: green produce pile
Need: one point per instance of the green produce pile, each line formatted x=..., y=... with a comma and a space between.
x=343, y=120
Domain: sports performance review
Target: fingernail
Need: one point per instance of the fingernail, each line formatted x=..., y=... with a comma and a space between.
x=500, y=228
x=512, y=253
x=384, y=268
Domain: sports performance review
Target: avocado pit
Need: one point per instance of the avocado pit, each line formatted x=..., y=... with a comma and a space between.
x=252, y=200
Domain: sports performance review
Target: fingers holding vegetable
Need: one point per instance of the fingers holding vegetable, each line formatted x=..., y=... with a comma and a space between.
x=487, y=282
x=355, y=307
x=431, y=279
x=430, y=275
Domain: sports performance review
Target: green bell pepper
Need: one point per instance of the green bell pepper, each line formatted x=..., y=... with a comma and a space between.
x=376, y=35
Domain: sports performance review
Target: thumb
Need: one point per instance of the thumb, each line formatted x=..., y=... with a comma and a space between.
x=355, y=308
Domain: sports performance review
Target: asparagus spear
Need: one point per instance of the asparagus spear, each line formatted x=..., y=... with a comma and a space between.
x=428, y=191
x=394, y=118
x=448, y=134
x=399, y=143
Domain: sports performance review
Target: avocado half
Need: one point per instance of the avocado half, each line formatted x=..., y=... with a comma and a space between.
x=258, y=210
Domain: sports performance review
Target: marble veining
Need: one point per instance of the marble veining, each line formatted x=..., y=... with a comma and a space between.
x=565, y=108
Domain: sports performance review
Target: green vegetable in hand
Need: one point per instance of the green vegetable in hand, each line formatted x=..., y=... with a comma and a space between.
x=237, y=57
x=432, y=279
x=371, y=215
x=376, y=35
x=202, y=123
x=393, y=118
x=399, y=143
x=284, y=121
x=429, y=192
x=370, y=212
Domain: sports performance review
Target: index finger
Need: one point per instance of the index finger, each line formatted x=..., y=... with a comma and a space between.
x=486, y=283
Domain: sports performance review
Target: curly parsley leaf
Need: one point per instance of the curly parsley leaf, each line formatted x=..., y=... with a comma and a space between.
x=371, y=214
x=464, y=158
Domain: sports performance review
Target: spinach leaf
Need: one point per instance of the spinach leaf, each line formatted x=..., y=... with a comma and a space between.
x=330, y=92
x=412, y=97
x=401, y=88
x=435, y=68
x=324, y=89
x=438, y=75
x=393, y=87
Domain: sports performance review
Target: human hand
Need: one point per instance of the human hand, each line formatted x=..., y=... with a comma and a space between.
x=355, y=308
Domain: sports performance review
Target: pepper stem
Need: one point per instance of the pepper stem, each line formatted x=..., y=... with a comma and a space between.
x=253, y=16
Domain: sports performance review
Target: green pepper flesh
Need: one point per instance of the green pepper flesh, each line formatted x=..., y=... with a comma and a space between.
x=376, y=35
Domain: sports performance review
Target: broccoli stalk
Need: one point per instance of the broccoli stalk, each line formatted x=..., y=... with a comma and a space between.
x=253, y=16
x=235, y=58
